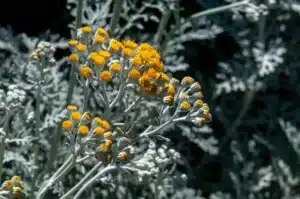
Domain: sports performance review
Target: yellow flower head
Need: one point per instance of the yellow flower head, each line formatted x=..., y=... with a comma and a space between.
x=74, y=58
x=103, y=148
x=76, y=115
x=67, y=124
x=136, y=61
x=185, y=106
x=16, y=179
x=83, y=130
x=81, y=47
x=87, y=116
x=104, y=54
x=134, y=74
x=102, y=32
x=146, y=46
x=123, y=156
x=116, y=67
x=164, y=77
x=151, y=73
x=205, y=106
x=108, y=143
x=108, y=135
x=8, y=185
x=98, y=60
x=99, y=131
x=171, y=90
x=99, y=39
x=129, y=44
x=86, y=72
x=198, y=103
x=73, y=42
x=187, y=81
x=169, y=100
x=87, y=29
x=106, y=76
x=128, y=52
x=72, y=108
x=105, y=124
x=115, y=45
x=98, y=120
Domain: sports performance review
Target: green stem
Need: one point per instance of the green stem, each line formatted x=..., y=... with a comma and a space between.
x=78, y=15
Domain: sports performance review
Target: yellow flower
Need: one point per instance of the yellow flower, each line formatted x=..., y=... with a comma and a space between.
x=105, y=124
x=87, y=116
x=72, y=107
x=108, y=143
x=123, y=156
x=74, y=58
x=108, y=135
x=205, y=107
x=104, y=54
x=136, y=61
x=83, y=130
x=76, y=115
x=185, y=106
x=8, y=185
x=171, y=89
x=164, y=77
x=102, y=32
x=106, y=76
x=115, y=45
x=134, y=74
x=198, y=103
x=146, y=46
x=151, y=73
x=87, y=29
x=103, y=148
x=128, y=52
x=98, y=60
x=98, y=120
x=99, y=131
x=73, y=42
x=81, y=47
x=116, y=67
x=129, y=44
x=187, y=81
x=67, y=124
x=17, y=192
x=99, y=39
x=86, y=72
x=16, y=179
x=169, y=100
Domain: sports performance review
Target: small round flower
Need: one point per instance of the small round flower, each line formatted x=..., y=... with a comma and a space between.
x=83, y=130
x=103, y=148
x=136, y=61
x=106, y=76
x=146, y=46
x=151, y=73
x=76, y=115
x=102, y=32
x=86, y=72
x=171, y=90
x=105, y=124
x=87, y=116
x=198, y=104
x=99, y=131
x=187, y=81
x=123, y=156
x=86, y=29
x=81, y=47
x=74, y=58
x=198, y=95
x=67, y=124
x=129, y=44
x=99, y=39
x=115, y=45
x=195, y=86
x=17, y=191
x=205, y=107
x=98, y=60
x=72, y=108
x=199, y=121
x=169, y=100
x=134, y=74
x=98, y=120
x=108, y=143
x=108, y=135
x=174, y=81
x=8, y=185
x=16, y=179
x=185, y=106
x=116, y=67
x=104, y=54
x=128, y=52
x=73, y=42
x=164, y=77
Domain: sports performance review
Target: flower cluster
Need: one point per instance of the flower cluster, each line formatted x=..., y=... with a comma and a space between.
x=13, y=189
x=13, y=99
x=44, y=53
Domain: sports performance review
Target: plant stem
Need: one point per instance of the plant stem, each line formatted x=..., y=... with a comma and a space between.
x=162, y=27
x=2, y=141
x=78, y=15
x=71, y=84
x=86, y=95
x=81, y=182
x=91, y=181
x=116, y=15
